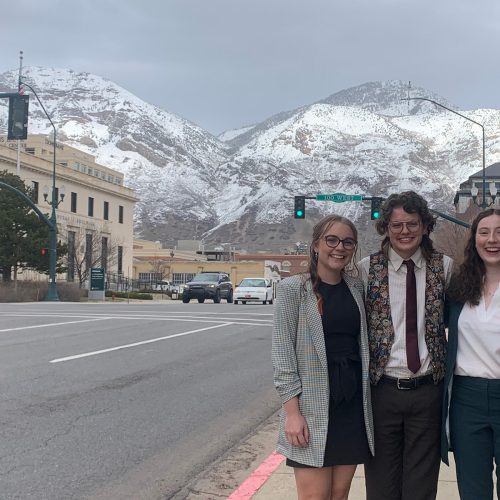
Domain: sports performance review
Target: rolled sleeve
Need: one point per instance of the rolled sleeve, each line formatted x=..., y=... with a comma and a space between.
x=286, y=316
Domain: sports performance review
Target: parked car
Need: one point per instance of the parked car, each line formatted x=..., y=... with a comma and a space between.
x=209, y=285
x=254, y=290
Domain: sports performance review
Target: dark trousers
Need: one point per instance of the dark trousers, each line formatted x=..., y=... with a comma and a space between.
x=407, y=443
x=475, y=435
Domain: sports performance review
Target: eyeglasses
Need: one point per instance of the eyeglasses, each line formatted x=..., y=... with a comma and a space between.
x=397, y=227
x=334, y=241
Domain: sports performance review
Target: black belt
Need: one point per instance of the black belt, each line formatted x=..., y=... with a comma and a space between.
x=408, y=383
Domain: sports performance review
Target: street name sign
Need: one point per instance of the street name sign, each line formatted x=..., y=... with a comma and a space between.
x=339, y=197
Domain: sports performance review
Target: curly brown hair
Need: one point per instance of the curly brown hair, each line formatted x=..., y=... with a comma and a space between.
x=467, y=282
x=319, y=231
x=412, y=203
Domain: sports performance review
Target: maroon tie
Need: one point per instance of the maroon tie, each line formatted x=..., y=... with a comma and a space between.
x=412, y=355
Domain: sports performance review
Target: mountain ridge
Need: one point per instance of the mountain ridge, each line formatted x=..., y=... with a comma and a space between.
x=191, y=185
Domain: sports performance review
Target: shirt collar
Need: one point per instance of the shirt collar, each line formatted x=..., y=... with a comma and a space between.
x=397, y=261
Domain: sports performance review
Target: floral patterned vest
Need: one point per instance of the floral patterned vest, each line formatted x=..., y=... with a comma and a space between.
x=380, y=327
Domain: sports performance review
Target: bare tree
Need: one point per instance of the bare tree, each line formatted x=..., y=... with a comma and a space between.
x=158, y=266
x=450, y=238
x=88, y=249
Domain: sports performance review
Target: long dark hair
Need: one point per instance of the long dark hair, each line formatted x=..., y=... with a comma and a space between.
x=467, y=282
x=319, y=231
x=412, y=203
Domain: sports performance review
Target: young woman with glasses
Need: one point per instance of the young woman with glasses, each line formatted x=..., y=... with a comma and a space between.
x=320, y=358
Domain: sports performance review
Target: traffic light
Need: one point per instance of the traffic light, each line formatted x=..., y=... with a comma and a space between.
x=375, y=209
x=17, y=127
x=44, y=252
x=299, y=211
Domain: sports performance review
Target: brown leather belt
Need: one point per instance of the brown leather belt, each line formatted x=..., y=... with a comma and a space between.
x=408, y=383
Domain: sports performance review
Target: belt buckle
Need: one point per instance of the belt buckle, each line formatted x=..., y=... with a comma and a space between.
x=398, y=385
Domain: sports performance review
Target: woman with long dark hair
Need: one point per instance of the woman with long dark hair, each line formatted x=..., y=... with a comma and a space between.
x=471, y=409
x=320, y=358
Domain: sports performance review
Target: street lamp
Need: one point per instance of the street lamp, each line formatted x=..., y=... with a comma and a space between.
x=493, y=191
x=483, y=204
x=52, y=288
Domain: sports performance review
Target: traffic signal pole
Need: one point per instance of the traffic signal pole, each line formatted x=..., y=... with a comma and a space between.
x=18, y=129
x=376, y=203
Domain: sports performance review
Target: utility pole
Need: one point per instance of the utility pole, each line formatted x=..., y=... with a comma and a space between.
x=20, y=90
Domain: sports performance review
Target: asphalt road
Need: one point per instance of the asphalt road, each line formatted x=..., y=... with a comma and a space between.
x=127, y=401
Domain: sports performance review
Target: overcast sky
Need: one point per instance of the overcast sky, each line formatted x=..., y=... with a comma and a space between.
x=228, y=63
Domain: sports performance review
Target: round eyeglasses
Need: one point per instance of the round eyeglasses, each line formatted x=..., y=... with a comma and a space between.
x=397, y=227
x=334, y=241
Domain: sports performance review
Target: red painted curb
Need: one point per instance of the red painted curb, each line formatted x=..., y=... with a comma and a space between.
x=249, y=487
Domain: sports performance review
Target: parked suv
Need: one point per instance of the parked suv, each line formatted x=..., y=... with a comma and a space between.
x=209, y=285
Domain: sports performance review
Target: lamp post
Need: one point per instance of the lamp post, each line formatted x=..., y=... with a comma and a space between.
x=52, y=288
x=483, y=202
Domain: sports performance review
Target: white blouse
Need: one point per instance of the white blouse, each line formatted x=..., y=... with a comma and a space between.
x=478, y=353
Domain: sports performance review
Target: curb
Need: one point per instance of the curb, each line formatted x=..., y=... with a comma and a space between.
x=258, y=477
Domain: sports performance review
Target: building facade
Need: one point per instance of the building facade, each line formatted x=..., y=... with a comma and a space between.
x=95, y=216
x=471, y=191
x=152, y=263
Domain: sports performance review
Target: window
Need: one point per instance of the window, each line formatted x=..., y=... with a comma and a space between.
x=71, y=256
x=91, y=207
x=120, y=214
x=153, y=277
x=106, y=210
x=34, y=191
x=73, y=202
x=88, y=251
x=30, y=151
x=104, y=252
x=181, y=278
x=120, y=260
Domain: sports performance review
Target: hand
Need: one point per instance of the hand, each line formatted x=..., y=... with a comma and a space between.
x=296, y=430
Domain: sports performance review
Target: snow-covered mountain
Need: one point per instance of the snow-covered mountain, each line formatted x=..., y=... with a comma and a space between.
x=239, y=188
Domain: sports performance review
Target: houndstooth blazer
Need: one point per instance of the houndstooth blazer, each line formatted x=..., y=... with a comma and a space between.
x=301, y=368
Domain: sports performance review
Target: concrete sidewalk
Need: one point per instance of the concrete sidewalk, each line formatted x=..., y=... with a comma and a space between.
x=281, y=484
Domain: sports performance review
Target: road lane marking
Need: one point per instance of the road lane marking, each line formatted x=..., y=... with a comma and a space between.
x=135, y=344
x=52, y=324
x=236, y=321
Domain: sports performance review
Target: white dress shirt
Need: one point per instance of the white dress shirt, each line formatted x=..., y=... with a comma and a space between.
x=397, y=363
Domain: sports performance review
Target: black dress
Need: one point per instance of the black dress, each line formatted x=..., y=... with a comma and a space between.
x=346, y=442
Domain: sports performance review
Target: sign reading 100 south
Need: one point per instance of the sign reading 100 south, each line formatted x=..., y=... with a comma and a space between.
x=339, y=197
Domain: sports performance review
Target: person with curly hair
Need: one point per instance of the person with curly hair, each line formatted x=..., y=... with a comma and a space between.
x=320, y=360
x=471, y=409
x=405, y=289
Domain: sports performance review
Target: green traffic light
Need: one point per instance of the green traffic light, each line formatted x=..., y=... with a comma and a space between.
x=299, y=213
x=375, y=215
